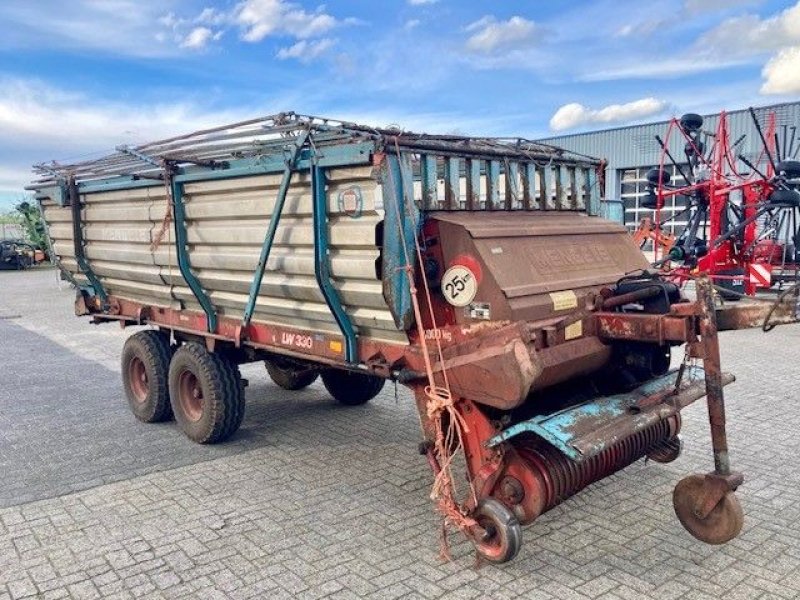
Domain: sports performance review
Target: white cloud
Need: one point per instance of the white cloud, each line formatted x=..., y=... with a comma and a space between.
x=574, y=114
x=782, y=72
x=490, y=35
x=411, y=24
x=118, y=27
x=421, y=2
x=212, y=16
x=261, y=18
x=306, y=51
x=198, y=37
x=39, y=123
x=749, y=34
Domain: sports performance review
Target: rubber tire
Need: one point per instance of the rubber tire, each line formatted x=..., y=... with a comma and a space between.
x=289, y=377
x=507, y=539
x=223, y=401
x=351, y=388
x=153, y=349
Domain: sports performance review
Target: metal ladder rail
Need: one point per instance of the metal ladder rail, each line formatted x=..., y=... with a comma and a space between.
x=322, y=269
x=269, y=237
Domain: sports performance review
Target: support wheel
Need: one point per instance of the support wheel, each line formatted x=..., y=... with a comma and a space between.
x=145, y=368
x=499, y=536
x=290, y=376
x=351, y=388
x=207, y=394
x=668, y=451
x=721, y=525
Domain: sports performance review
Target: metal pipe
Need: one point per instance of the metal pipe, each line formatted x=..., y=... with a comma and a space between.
x=713, y=375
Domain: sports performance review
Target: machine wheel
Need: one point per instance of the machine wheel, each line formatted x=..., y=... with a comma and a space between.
x=207, y=394
x=500, y=535
x=721, y=525
x=145, y=368
x=668, y=451
x=351, y=388
x=290, y=377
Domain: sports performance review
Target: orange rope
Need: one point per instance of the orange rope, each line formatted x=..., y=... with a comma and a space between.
x=440, y=400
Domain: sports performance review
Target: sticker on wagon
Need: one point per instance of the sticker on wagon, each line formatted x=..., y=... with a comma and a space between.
x=459, y=285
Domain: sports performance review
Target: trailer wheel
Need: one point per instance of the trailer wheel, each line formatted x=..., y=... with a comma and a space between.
x=207, y=394
x=721, y=525
x=290, y=377
x=145, y=368
x=351, y=388
x=498, y=537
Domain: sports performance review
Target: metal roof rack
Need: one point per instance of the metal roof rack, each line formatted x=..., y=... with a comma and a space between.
x=270, y=135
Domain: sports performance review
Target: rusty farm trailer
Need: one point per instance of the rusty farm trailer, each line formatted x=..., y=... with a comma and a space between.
x=474, y=271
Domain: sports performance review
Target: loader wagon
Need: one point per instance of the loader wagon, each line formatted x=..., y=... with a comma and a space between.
x=472, y=270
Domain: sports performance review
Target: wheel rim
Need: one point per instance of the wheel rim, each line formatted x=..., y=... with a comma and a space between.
x=190, y=395
x=137, y=377
x=491, y=544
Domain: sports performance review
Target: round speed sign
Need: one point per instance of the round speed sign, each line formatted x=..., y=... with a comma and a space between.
x=459, y=285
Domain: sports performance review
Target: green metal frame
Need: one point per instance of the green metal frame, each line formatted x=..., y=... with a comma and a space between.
x=77, y=238
x=184, y=264
x=322, y=269
x=269, y=238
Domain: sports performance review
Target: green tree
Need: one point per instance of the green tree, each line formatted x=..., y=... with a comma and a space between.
x=32, y=221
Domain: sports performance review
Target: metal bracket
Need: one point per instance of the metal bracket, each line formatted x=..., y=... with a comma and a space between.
x=269, y=238
x=322, y=269
x=77, y=238
x=184, y=263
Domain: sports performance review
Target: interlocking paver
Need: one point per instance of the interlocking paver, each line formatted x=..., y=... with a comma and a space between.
x=314, y=500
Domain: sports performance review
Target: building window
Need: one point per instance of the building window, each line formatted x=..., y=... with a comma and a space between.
x=633, y=190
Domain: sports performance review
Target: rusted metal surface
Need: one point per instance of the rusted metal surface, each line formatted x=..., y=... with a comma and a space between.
x=583, y=431
x=651, y=328
x=748, y=315
x=713, y=378
x=559, y=477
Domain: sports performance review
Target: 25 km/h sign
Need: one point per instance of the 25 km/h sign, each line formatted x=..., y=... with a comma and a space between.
x=459, y=285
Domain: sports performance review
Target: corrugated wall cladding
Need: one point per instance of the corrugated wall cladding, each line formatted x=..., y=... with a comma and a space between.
x=226, y=221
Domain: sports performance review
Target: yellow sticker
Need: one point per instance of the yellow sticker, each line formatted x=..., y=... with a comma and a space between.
x=573, y=331
x=564, y=300
x=335, y=346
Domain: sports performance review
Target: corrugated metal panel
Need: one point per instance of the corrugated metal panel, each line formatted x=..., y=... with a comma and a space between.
x=635, y=145
x=226, y=222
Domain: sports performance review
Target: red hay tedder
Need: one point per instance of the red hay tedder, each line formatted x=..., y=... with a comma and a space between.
x=742, y=228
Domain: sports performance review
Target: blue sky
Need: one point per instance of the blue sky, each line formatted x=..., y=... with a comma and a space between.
x=77, y=81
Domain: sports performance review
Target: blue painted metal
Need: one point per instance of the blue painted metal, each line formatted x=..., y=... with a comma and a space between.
x=322, y=269
x=329, y=156
x=613, y=210
x=529, y=199
x=513, y=193
x=118, y=183
x=599, y=419
x=184, y=263
x=430, y=192
x=493, y=185
x=473, y=184
x=452, y=183
x=400, y=214
x=269, y=237
x=545, y=191
x=593, y=201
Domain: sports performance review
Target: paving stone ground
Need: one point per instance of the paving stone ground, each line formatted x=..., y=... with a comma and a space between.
x=314, y=500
